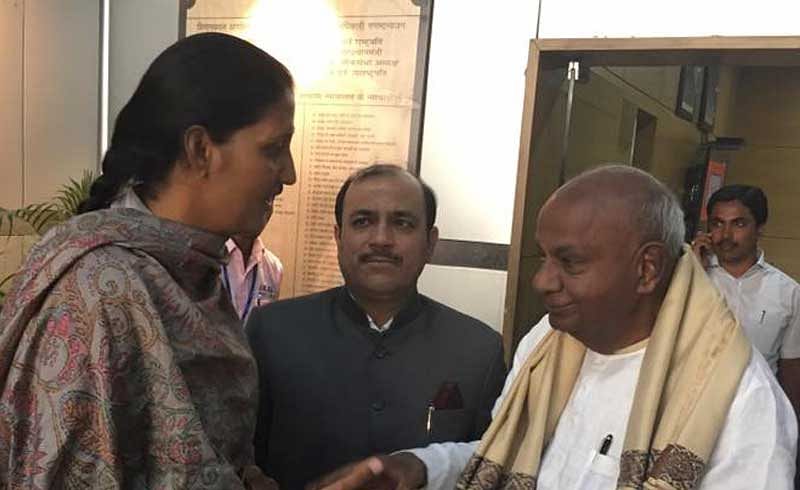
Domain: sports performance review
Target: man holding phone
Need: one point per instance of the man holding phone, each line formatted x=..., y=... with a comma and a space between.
x=765, y=300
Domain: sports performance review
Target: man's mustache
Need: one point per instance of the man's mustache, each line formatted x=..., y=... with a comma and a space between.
x=726, y=244
x=379, y=256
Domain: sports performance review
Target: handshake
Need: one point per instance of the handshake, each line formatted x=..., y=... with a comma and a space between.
x=399, y=471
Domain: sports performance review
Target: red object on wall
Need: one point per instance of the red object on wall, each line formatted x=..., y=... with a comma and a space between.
x=715, y=178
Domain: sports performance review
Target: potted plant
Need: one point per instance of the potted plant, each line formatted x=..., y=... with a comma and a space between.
x=35, y=219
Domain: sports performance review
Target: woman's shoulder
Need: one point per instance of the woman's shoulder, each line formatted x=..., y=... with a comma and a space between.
x=109, y=269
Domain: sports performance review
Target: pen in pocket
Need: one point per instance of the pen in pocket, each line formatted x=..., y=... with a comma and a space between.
x=606, y=444
x=763, y=312
x=429, y=419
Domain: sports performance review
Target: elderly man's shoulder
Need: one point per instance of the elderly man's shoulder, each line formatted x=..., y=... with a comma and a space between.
x=760, y=430
x=759, y=384
x=531, y=339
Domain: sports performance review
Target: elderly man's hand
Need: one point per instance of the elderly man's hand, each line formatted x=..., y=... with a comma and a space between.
x=401, y=471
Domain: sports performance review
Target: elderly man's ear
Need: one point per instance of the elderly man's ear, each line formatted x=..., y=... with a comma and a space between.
x=651, y=267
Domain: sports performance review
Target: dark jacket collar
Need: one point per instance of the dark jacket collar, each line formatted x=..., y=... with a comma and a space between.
x=408, y=313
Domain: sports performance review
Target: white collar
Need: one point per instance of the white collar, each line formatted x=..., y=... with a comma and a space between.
x=760, y=263
x=255, y=254
x=128, y=198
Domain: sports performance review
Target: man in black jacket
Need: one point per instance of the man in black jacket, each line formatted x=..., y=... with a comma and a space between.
x=372, y=366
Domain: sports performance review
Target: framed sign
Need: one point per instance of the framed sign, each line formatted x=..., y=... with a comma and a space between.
x=690, y=89
x=359, y=68
x=708, y=104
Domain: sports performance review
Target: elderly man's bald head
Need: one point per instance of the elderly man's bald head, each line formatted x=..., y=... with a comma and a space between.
x=646, y=205
x=609, y=240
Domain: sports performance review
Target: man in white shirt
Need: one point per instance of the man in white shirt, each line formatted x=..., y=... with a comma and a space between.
x=764, y=299
x=253, y=274
x=639, y=377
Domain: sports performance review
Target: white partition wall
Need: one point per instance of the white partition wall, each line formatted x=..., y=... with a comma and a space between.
x=138, y=31
x=61, y=93
x=11, y=48
x=49, y=96
x=473, y=112
x=49, y=104
x=677, y=18
x=480, y=293
x=470, y=141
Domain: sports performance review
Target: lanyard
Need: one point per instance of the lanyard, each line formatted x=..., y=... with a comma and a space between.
x=249, y=303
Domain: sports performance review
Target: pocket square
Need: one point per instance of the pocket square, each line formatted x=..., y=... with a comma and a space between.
x=448, y=397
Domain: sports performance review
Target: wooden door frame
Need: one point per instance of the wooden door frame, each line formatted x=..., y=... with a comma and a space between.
x=544, y=53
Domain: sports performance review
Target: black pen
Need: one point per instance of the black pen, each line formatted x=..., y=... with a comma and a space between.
x=606, y=444
x=763, y=312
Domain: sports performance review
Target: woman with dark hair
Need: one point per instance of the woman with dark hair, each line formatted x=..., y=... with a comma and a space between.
x=122, y=361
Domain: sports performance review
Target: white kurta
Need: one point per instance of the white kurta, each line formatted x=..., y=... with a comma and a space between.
x=755, y=451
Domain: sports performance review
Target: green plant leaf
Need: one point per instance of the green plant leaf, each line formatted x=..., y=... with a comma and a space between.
x=38, y=218
x=32, y=219
x=5, y=281
x=71, y=194
x=35, y=219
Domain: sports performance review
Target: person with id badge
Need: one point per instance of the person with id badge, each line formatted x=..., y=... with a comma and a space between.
x=252, y=281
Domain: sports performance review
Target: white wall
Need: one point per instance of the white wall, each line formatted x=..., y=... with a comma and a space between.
x=49, y=103
x=138, y=31
x=473, y=112
x=11, y=164
x=470, y=145
x=61, y=93
x=49, y=96
x=479, y=293
x=11, y=66
x=676, y=18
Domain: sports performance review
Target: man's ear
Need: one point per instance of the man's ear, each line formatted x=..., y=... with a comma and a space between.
x=198, y=150
x=651, y=267
x=337, y=235
x=433, y=239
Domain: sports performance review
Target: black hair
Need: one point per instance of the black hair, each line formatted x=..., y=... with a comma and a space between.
x=752, y=197
x=379, y=170
x=213, y=80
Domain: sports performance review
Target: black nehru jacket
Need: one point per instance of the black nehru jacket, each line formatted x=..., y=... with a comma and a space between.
x=333, y=390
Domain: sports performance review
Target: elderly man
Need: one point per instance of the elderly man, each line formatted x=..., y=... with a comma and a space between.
x=372, y=366
x=639, y=377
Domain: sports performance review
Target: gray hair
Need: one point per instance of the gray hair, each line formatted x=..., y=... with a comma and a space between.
x=657, y=214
